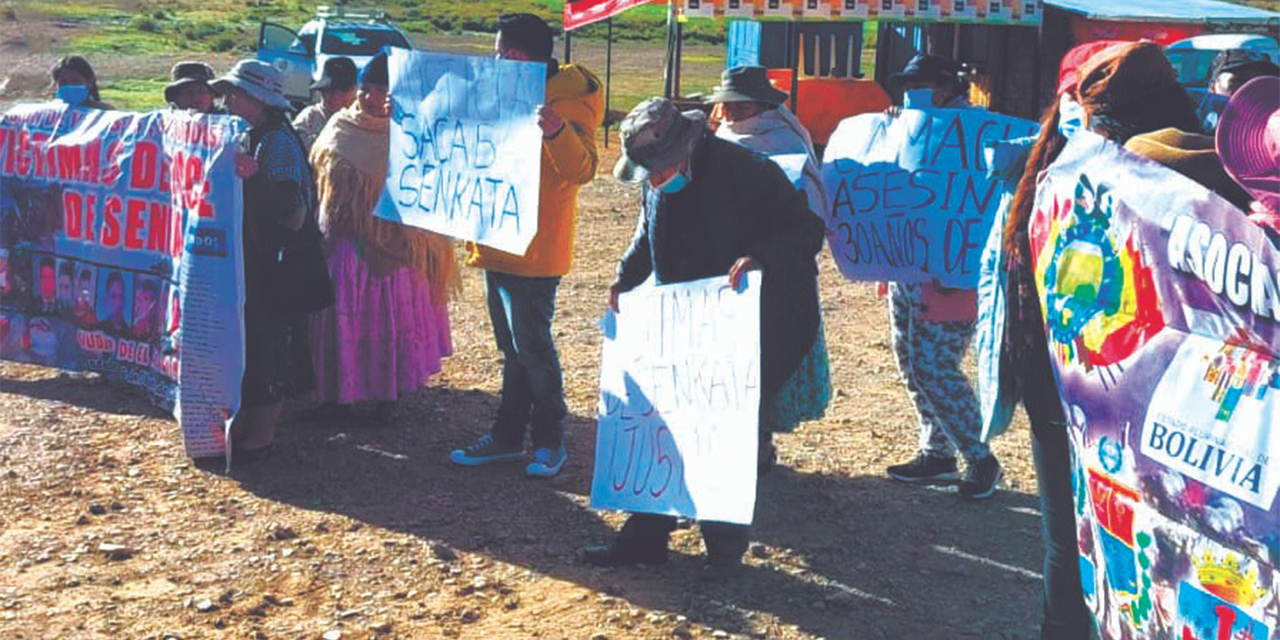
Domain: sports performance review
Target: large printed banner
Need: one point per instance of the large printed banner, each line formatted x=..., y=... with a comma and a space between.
x=1007, y=12
x=580, y=13
x=910, y=196
x=466, y=149
x=120, y=253
x=1162, y=305
x=679, y=401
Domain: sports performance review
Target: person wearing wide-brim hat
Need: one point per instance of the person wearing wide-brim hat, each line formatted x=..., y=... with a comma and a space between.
x=712, y=208
x=279, y=212
x=755, y=117
x=1248, y=141
x=337, y=88
x=937, y=73
x=189, y=88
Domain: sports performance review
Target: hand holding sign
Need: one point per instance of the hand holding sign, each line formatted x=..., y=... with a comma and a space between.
x=550, y=122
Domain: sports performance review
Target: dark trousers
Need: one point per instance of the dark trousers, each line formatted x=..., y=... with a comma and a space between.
x=1065, y=615
x=724, y=540
x=521, y=309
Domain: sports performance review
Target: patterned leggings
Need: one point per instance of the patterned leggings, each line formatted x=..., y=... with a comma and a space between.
x=929, y=356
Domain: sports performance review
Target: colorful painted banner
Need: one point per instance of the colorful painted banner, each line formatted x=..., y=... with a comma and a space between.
x=910, y=197
x=1007, y=12
x=120, y=253
x=580, y=13
x=1162, y=307
x=679, y=401
x=466, y=149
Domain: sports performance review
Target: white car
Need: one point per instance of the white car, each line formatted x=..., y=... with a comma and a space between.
x=336, y=32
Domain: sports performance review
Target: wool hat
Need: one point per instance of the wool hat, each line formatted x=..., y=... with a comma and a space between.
x=375, y=71
x=259, y=79
x=1069, y=70
x=185, y=73
x=747, y=84
x=927, y=67
x=656, y=136
x=338, y=74
x=1248, y=138
x=1192, y=155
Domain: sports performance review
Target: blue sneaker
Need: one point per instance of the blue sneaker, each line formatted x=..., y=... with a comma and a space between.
x=546, y=462
x=486, y=450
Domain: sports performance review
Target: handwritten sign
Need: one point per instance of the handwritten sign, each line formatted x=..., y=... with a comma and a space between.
x=466, y=149
x=679, y=402
x=910, y=198
x=120, y=253
x=1162, y=313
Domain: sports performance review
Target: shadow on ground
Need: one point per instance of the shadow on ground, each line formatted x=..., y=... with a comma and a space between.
x=840, y=557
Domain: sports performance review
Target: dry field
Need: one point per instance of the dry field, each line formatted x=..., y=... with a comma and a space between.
x=366, y=531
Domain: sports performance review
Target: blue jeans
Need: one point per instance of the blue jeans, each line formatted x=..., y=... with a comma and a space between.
x=521, y=309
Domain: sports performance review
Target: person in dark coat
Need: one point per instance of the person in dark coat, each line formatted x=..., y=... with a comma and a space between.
x=279, y=204
x=711, y=208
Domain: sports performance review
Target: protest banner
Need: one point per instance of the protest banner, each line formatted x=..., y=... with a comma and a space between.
x=910, y=197
x=1162, y=307
x=120, y=253
x=466, y=149
x=679, y=401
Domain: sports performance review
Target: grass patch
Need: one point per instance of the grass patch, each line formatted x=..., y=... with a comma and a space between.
x=73, y=10
x=123, y=40
x=134, y=94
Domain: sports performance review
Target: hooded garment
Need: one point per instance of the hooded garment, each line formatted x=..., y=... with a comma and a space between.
x=775, y=133
x=569, y=160
x=350, y=162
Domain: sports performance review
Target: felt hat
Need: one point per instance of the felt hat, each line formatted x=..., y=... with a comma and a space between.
x=1248, y=138
x=338, y=74
x=926, y=67
x=185, y=73
x=259, y=79
x=1193, y=155
x=656, y=136
x=747, y=84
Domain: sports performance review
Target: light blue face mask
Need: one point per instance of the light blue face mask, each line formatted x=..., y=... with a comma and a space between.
x=1070, y=116
x=73, y=93
x=674, y=183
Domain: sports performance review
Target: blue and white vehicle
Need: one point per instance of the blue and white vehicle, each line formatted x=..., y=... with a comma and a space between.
x=1193, y=57
x=334, y=32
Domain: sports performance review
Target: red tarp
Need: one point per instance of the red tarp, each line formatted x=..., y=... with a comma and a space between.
x=581, y=13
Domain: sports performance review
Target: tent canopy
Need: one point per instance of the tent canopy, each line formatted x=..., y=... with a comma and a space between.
x=1199, y=11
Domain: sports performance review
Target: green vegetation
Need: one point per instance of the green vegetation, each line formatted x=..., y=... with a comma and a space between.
x=135, y=94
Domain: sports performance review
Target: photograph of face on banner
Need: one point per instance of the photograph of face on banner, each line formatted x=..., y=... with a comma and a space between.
x=113, y=295
x=146, y=308
x=45, y=300
x=82, y=312
x=66, y=286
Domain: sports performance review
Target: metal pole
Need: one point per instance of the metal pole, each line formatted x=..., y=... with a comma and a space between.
x=568, y=47
x=668, y=73
x=679, y=55
x=797, y=46
x=608, y=81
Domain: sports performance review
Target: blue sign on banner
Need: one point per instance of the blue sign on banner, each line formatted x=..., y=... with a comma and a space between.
x=909, y=197
x=120, y=253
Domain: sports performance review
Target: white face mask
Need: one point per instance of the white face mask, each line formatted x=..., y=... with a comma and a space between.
x=1070, y=116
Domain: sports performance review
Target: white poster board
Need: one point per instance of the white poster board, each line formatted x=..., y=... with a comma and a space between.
x=677, y=429
x=466, y=149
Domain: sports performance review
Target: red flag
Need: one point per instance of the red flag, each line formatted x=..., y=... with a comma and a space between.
x=580, y=13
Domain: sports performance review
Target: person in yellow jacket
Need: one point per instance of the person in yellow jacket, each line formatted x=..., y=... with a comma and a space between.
x=521, y=290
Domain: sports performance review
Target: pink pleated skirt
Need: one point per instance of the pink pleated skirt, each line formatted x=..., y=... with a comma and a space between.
x=382, y=338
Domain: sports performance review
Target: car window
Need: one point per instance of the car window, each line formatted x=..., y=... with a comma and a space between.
x=360, y=41
x=1192, y=66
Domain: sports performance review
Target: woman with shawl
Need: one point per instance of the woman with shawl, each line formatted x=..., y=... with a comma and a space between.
x=389, y=328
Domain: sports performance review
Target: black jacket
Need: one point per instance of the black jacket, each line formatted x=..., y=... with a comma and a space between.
x=738, y=203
